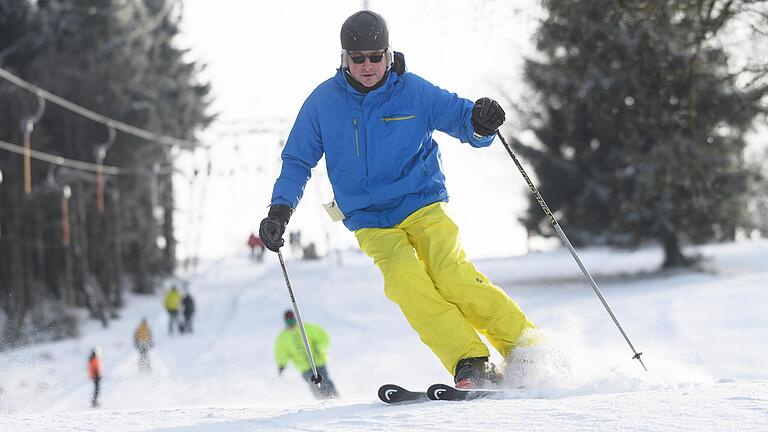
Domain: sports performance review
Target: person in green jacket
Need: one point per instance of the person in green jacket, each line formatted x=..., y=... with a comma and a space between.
x=289, y=348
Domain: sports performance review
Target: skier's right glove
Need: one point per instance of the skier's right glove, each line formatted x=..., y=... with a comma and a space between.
x=487, y=116
x=273, y=226
x=280, y=370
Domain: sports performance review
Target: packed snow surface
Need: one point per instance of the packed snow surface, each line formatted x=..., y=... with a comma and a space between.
x=703, y=337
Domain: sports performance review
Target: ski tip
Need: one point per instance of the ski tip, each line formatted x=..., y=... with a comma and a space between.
x=447, y=392
x=441, y=392
x=394, y=394
x=388, y=391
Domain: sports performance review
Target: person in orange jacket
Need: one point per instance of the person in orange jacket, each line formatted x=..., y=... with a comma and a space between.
x=94, y=372
x=142, y=340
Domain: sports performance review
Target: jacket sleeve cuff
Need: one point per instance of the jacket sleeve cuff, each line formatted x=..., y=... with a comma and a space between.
x=281, y=211
x=477, y=140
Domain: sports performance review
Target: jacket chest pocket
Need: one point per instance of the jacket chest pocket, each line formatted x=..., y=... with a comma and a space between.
x=398, y=118
x=401, y=136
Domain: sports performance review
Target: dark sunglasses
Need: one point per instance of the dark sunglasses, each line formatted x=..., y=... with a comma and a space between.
x=360, y=58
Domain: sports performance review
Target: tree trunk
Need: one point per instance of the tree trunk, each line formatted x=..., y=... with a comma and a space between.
x=102, y=263
x=68, y=290
x=118, y=212
x=169, y=253
x=38, y=288
x=80, y=241
x=673, y=254
x=15, y=301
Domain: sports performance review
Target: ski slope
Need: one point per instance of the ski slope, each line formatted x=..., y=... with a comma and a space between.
x=703, y=336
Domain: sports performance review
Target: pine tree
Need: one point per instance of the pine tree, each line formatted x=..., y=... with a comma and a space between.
x=640, y=127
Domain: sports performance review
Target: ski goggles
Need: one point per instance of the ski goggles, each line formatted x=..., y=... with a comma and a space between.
x=359, y=58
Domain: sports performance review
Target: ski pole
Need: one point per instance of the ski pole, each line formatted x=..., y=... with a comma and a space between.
x=567, y=243
x=316, y=377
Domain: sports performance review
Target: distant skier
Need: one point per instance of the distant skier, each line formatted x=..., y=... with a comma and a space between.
x=94, y=373
x=374, y=122
x=188, y=310
x=289, y=348
x=294, y=239
x=142, y=340
x=257, y=247
x=172, y=303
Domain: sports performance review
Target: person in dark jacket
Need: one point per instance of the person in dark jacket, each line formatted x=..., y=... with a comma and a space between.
x=188, y=310
x=373, y=121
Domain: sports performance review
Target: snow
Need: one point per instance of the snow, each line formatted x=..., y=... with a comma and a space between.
x=703, y=335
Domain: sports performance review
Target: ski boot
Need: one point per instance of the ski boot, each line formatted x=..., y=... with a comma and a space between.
x=477, y=373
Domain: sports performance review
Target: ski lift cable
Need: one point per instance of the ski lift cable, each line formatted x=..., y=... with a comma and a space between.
x=99, y=118
x=80, y=165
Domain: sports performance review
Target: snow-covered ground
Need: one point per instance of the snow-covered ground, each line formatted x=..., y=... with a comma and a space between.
x=703, y=336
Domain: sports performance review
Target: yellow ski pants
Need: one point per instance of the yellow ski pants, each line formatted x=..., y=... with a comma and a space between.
x=443, y=297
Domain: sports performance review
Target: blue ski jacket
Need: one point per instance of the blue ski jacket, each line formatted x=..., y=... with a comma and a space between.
x=382, y=161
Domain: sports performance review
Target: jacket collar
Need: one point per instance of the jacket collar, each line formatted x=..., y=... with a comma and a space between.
x=361, y=88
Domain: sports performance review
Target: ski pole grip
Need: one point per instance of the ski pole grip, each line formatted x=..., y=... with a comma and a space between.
x=317, y=379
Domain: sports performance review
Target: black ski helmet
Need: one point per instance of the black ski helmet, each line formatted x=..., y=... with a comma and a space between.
x=364, y=31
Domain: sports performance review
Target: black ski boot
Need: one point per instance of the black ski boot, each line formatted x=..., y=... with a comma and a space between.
x=477, y=373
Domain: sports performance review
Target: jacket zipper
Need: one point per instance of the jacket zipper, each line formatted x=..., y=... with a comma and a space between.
x=357, y=144
x=389, y=119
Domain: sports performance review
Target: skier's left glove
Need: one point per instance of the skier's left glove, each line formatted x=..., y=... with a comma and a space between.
x=273, y=226
x=280, y=370
x=487, y=116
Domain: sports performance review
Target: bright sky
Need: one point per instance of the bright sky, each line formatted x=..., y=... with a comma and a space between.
x=264, y=58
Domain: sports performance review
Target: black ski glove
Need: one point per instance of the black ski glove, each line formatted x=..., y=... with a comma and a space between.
x=487, y=116
x=273, y=226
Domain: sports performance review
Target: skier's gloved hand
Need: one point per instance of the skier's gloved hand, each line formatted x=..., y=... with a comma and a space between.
x=273, y=226
x=487, y=116
x=280, y=370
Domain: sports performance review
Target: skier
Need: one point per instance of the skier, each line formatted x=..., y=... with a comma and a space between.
x=294, y=239
x=94, y=373
x=374, y=121
x=172, y=303
x=188, y=307
x=289, y=348
x=142, y=340
x=254, y=243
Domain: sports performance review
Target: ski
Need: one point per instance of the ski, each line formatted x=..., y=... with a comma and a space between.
x=394, y=394
x=446, y=392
